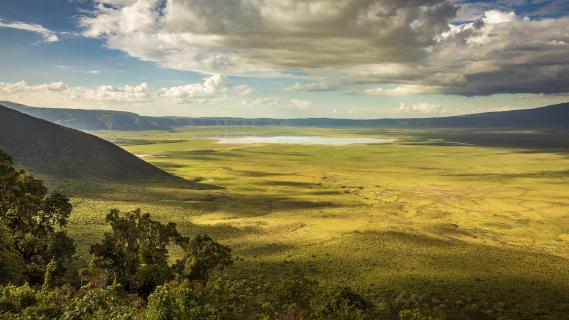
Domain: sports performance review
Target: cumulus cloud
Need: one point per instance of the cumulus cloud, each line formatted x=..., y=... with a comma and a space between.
x=244, y=90
x=421, y=108
x=497, y=16
x=455, y=46
x=105, y=93
x=212, y=87
x=402, y=90
x=243, y=37
x=313, y=86
x=46, y=34
x=22, y=86
x=301, y=104
x=503, y=53
x=123, y=94
x=293, y=104
x=262, y=102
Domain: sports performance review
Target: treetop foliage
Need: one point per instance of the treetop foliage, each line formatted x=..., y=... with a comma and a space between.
x=34, y=220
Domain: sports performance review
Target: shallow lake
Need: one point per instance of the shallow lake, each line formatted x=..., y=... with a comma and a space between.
x=296, y=140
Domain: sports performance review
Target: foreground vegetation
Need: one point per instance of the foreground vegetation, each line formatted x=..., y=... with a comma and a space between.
x=444, y=229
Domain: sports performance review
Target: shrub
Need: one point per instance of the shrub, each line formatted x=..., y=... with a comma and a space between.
x=101, y=304
x=202, y=256
x=178, y=302
x=25, y=302
x=342, y=304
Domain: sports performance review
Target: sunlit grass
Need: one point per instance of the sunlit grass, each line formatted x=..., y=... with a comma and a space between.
x=457, y=221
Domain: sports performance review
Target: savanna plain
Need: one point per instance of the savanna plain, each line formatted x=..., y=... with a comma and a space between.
x=426, y=219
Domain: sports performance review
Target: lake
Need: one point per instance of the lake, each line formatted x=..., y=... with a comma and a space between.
x=308, y=140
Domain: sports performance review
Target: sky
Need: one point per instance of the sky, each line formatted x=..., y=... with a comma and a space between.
x=285, y=58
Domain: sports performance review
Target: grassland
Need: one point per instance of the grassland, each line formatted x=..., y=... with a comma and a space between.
x=427, y=221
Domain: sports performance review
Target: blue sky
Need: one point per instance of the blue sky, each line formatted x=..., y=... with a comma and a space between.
x=285, y=58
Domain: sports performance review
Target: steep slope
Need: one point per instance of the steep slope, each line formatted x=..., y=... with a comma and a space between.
x=90, y=119
x=50, y=149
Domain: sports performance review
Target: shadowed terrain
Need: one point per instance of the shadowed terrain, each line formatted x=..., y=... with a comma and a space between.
x=48, y=149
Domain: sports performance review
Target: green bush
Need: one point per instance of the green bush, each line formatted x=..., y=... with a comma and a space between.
x=413, y=315
x=11, y=262
x=342, y=304
x=25, y=302
x=202, y=256
x=101, y=304
x=178, y=302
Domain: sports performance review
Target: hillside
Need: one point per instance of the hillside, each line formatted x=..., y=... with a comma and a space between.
x=49, y=149
x=554, y=116
x=90, y=119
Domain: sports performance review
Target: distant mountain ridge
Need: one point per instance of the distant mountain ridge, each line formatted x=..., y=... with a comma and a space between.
x=88, y=120
x=554, y=116
x=42, y=147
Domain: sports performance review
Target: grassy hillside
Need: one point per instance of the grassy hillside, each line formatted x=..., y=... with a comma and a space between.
x=48, y=149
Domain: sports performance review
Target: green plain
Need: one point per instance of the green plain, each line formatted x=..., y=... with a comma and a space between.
x=457, y=223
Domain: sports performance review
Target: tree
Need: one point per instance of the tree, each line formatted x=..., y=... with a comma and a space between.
x=179, y=301
x=202, y=255
x=35, y=220
x=135, y=252
x=342, y=304
x=11, y=263
x=413, y=315
x=293, y=294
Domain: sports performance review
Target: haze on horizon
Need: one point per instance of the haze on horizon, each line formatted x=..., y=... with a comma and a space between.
x=286, y=58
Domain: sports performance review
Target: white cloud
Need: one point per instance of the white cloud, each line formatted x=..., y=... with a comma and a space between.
x=313, y=86
x=294, y=104
x=359, y=112
x=78, y=69
x=123, y=94
x=46, y=34
x=421, y=108
x=262, y=102
x=244, y=90
x=402, y=90
x=457, y=47
x=61, y=92
x=301, y=104
x=244, y=37
x=503, y=53
x=557, y=43
x=212, y=87
x=497, y=16
x=22, y=86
